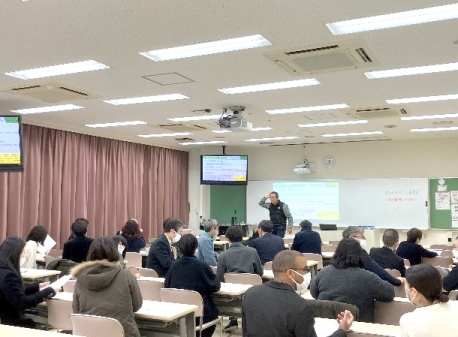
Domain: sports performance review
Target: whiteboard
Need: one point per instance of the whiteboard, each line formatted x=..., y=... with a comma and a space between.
x=382, y=203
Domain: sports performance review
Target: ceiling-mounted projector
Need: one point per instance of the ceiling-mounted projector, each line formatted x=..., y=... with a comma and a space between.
x=303, y=168
x=234, y=121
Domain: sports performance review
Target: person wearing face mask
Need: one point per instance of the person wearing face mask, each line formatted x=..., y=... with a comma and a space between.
x=267, y=245
x=160, y=256
x=386, y=256
x=274, y=309
x=357, y=233
x=451, y=279
x=434, y=315
x=121, y=244
x=14, y=297
x=192, y=274
x=346, y=280
x=412, y=250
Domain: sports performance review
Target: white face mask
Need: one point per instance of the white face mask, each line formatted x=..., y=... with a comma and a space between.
x=301, y=287
x=121, y=249
x=410, y=299
x=362, y=242
x=455, y=253
x=177, y=238
x=21, y=261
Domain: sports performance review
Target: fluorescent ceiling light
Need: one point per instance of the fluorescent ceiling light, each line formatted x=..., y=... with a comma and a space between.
x=368, y=133
x=308, y=109
x=270, y=86
x=430, y=14
x=269, y=138
x=54, y=108
x=452, y=128
x=332, y=124
x=106, y=125
x=422, y=99
x=207, y=48
x=158, y=135
x=146, y=99
x=417, y=118
x=221, y=131
x=261, y=129
x=194, y=118
x=61, y=69
x=437, y=68
x=201, y=143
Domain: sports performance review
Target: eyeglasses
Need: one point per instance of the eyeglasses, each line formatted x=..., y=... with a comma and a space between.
x=305, y=269
x=359, y=237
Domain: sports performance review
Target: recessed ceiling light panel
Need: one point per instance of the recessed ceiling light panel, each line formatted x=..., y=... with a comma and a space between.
x=269, y=138
x=54, y=108
x=308, y=109
x=417, y=118
x=159, y=135
x=270, y=86
x=204, y=143
x=352, y=134
x=146, y=99
x=332, y=124
x=422, y=99
x=194, y=118
x=107, y=125
x=437, y=68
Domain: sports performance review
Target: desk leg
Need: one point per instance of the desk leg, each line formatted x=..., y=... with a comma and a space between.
x=187, y=325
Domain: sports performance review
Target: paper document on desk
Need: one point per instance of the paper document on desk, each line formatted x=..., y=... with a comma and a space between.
x=60, y=282
x=64, y=296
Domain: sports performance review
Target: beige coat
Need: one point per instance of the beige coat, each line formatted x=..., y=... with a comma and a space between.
x=105, y=289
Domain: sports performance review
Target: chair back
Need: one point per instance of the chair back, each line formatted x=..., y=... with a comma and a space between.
x=443, y=247
x=150, y=290
x=186, y=231
x=151, y=239
x=183, y=296
x=242, y=278
x=453, y=294
x=49, y=258
x=328, y=248
x=96, y=326
x=391, y=312
x=447, y=253
x=145, y=272
x=133, y=259
x=394, y=272
x=69, y=286
x=330, y=309
x=59, y=312
x=334, y=242
x=267, y=265
x=399, y=291
x=315, y=257
x=288, y=241
x=437, y=261
x=55, y=253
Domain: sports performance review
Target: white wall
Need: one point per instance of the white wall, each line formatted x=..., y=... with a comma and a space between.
x=384, y=159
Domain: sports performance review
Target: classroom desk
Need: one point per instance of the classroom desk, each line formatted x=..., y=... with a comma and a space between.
x=223, y=244
x=8, y=330
x=312, y=264
x=229, y=299
x=37, y=274
x=327, y=255
x=325, y=327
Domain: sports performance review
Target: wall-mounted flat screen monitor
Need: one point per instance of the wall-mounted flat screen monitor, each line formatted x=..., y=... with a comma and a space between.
x=11, y=158
x=223, y=170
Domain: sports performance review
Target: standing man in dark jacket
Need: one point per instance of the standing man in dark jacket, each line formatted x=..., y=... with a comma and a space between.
x=267, y=245
x=160, y=256
x=307, y=241
x=279, y=213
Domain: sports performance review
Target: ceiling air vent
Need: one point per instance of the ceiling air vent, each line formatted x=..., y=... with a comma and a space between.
x=312, y=59
x=378, y=112
x=182, y=127
x=50, y=92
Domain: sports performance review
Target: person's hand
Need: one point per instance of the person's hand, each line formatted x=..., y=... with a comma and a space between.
x=57, y=290
x=267, y=195
x=345, y=319
x=141, y=230
x=290, y=230
x=42, y=285
x=402, y=279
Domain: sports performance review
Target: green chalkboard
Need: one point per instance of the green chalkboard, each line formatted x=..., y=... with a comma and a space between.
x=227, y=201
x=442, y=218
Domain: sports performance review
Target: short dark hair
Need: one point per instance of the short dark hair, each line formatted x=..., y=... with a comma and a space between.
x=414, y=234
x=37, y=234
x=266, y=226
x=276, y=194
x=390, y=237
x=188, y=244
x=427, y=280
x=348, y=254
x=350, y=230
x=209, y=224
x=103, y=248
x=10, y=252
x=165, y=222
x=174, y=224
x=119, y=238
x=79, y=228
x=234, y=234
x=284, y=260
x=306, y=224
x=83, y=220
x=131, y=229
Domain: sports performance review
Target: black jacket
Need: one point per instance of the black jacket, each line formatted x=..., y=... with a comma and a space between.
x=14, y=298
x=371, y=265
x=388, y=259
x=307, y=241
x=268, y=246
x=451, y=280
x=413, y=252
x=76, y=249
x=160, y=256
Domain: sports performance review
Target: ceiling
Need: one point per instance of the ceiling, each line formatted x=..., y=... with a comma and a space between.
x=39, y=33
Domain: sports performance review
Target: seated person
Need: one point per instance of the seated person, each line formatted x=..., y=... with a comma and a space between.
x=35, y=238
x=192, y=274
x=412, y=250
x=386, y=256
x=160, y=256
x=451, y=279
x=121, y=244
x=206, y=251
x=346, y=280
x=77, y=248
x=307, y=241
x=134, y=236
x=434, y=315
x=267, y=245
x=103, y=288
x=274, y=309
x=86, y=221
x=14, y=298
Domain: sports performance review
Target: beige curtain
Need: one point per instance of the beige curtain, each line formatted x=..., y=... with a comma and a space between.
x=69, y=175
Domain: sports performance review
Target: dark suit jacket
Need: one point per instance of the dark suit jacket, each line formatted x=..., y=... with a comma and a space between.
x=371, y=265
x=388, y=259
x=307, y=241
x=76, y=249
x=160, y=256
x=451, y=280
x=413, y=252
x=268, y=246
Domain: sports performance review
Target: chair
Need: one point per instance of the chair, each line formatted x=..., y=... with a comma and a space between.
x=151, y=290
x=59, y=314
x=443, y=247
x=69, y=286
x=222, y=237
x=267, y=265
x=96, y=326
x=288, y=241
x=328, y=248
x=214, y=269
x=399, y=291
x=453, y=294
x=315, y=257
x=391, y=312
x=447, y=253
x=133, y=260
x=55, y=253
x=186, y=231
x=190, y=297
x=437, y=261
x=330, y=309
x=334, y=242
x=394, y=272
x=406, y=263
x=242, y=278
x=49, y=258
x=145, y=272
x=151, y=240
